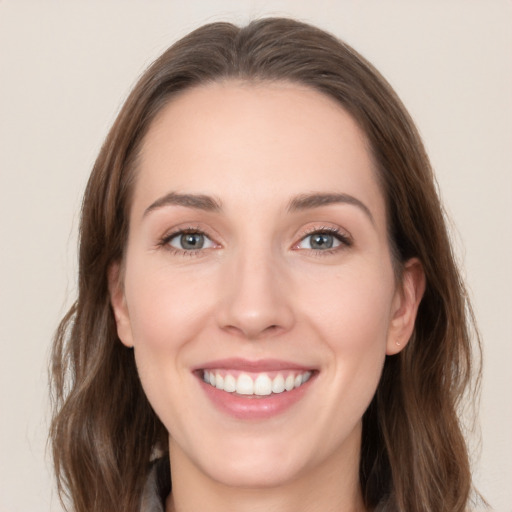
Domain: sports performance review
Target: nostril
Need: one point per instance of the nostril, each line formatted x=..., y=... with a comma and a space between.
x=272, y=329
x=254, y=334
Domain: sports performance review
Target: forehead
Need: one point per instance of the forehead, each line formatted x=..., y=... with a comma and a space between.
x=263, y=141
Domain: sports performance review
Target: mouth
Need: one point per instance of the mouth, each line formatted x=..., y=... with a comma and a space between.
x=255, y=384
x=255, y=390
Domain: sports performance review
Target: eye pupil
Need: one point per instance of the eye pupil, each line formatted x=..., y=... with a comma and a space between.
x=192, y=240
x=321, y=241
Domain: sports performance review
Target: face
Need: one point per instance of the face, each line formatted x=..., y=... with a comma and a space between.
x=258, y=290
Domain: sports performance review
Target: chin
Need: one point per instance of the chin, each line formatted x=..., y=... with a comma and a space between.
x=255, y=474
x=244, y=461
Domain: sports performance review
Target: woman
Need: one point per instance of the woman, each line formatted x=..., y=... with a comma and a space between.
x=268, y=309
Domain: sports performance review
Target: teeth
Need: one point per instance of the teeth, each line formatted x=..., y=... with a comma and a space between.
x=229, y=383
x=244, y=385
x=278, y=384
x=289, y=383
x=219, y=381
x=261, y=385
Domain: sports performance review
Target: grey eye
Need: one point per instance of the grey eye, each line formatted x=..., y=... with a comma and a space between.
x=319, y=241
x=190, y=241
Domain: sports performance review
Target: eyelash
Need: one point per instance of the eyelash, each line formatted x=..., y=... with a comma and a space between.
x=165, y=241
x=344, y=239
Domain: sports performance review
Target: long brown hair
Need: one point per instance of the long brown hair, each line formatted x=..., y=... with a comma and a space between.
x=104, y=432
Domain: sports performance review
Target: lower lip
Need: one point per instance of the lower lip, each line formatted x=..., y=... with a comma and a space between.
x=253, y=407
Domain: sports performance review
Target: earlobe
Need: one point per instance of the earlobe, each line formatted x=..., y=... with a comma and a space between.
x=119, y=306
x=405, y=308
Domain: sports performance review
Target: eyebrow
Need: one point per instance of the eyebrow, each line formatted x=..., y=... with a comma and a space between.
x=317, y=200
x=299, y=203
x=198, y=201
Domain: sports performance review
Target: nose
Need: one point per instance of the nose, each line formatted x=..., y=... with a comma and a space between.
x=255, y=301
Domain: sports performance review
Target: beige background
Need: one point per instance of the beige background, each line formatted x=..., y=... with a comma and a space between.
x=65, y=68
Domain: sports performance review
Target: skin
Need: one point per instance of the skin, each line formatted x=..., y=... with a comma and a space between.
x=258, y=289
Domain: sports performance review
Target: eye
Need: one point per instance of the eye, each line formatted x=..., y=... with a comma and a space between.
x=189, y=241
x=323, y=240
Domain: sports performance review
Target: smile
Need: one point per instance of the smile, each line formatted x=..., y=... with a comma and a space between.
x=255, y=390
x=256, y=384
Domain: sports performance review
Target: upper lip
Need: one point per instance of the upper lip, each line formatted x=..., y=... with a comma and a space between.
x=255, y=366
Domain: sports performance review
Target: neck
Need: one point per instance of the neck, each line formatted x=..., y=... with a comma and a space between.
x=332, y=486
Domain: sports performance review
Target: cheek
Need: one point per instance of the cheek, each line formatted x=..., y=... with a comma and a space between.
x=353, y=308
x=351, y=316
x=166, y=308
x=167, y=311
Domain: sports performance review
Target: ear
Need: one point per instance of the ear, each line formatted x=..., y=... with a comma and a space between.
x=118, y=302
x=405, y=306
